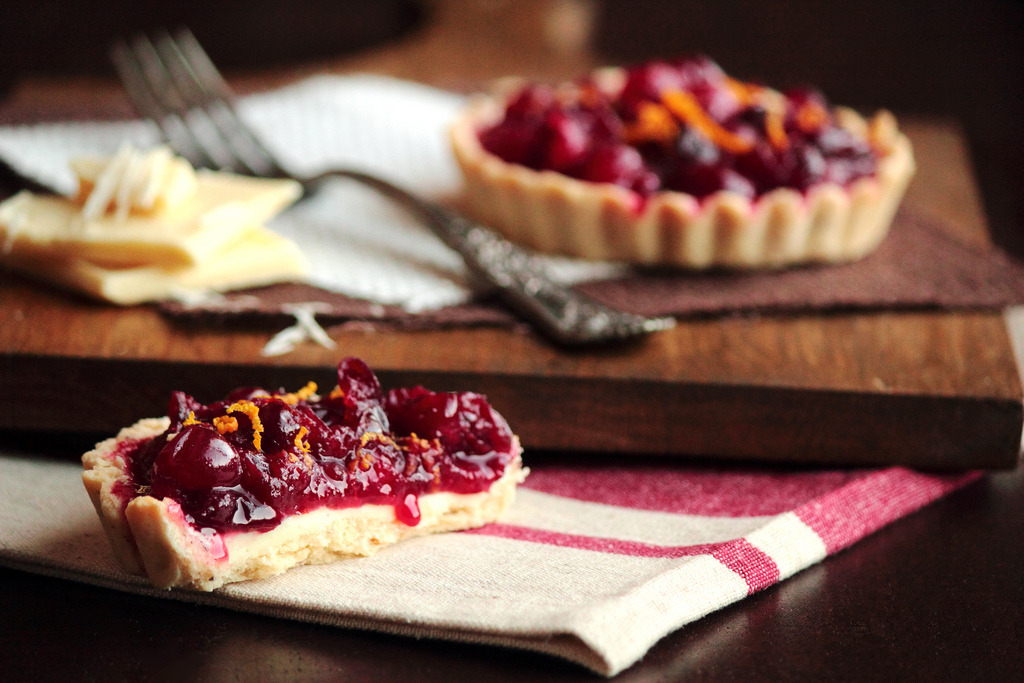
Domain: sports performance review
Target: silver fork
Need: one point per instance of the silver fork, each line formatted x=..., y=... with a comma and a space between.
x=172, y=81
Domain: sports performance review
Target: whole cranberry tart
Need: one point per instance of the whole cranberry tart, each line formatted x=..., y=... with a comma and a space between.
x=260, y=482
x=676, y=163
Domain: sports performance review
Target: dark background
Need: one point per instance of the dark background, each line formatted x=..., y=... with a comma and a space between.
x=962, y=59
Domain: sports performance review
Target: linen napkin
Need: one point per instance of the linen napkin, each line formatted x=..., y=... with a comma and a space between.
x=357, y=243
x=594, y=563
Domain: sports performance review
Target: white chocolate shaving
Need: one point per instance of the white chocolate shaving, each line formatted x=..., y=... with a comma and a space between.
x=135, y=180
x=305, y=328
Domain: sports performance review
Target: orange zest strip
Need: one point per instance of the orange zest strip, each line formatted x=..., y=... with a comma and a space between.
x=775, y=129
x=811, y=117
x=302, y=394
x=367, y=437
x=746, y=93
x=654, y=123
x=250, y=410
x=366, y=459
x=225, y=424
x=300, y=443
x=420, y=441
x=306, y=392
x=685, y=106
x=190, y=420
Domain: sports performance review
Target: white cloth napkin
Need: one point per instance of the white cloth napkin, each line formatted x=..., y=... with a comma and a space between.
x=357, y=243
x=592, y=564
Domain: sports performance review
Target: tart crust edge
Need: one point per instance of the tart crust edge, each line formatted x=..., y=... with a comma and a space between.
x=150, y=537
x=554, y=213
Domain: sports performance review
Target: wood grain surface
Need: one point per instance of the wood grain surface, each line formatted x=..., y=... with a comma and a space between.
x=924, y=388
x=920, y=388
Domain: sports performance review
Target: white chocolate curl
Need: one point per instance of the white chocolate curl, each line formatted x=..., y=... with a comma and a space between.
x=133, y=180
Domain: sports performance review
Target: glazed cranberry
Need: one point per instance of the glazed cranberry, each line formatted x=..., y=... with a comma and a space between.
x=142, y=458
x=847, y=157
x=844, y=171
x=290, y=475
x=530, y=101
x=462, y=423
x=604, y=123
x=749, y=119
x=702, y=180
x=734, y=181
x=811, y=167
x=613, y=163
x=336, y=469
x=256, y=477
x=694, y=148
x=373, y=465
x=839, y=142
x=181, y=405
x=470, y=468
x=231, y=507
x=645, y=184
x=720, y=103
x=767, y=167
x=362, y=397
x=520, y=137
x=197, y=458
x=517, y=142
x=283, y=425
x=421, y=459
x=328, y=440
x=358, y=382
x=568, y=140
x=697, y=70
x=646, y=83
x=798, y=97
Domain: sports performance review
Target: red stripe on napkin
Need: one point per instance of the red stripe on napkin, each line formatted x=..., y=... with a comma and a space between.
x=708, y=492
x=599, y=544
x=864, y=506
x=840, y=507
x=750, y=562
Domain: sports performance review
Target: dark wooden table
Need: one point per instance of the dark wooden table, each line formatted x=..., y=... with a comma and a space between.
x=935, y=596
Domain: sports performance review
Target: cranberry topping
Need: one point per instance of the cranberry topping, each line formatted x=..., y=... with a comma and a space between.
x=681, y=126
x=248, y=461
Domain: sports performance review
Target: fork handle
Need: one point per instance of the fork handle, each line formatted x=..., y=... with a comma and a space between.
x=519, y=278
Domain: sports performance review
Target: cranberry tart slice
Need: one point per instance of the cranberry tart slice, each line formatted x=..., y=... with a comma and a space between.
x=676, y=163
x=260, y=482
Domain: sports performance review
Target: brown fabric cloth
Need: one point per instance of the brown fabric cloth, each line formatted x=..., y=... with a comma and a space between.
x=919, y=265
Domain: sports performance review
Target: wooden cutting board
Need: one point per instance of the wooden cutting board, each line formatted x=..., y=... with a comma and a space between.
x=929, y=389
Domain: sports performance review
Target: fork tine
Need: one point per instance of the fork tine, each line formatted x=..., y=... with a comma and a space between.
x=136, y=86
x=148, y=92
x=212, y=92
x=174, y=84
x=239, y=156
